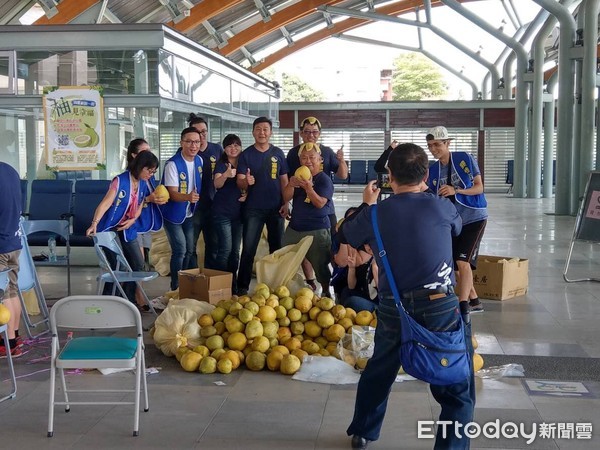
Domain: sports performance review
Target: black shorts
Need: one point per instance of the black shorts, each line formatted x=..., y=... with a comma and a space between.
x=465, y=246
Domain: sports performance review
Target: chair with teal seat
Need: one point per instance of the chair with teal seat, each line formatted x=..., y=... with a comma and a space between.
x=4, y=334
x=93, y=313
x=122, y=273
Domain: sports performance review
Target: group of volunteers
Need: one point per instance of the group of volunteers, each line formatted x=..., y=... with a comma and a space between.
x=229, y=196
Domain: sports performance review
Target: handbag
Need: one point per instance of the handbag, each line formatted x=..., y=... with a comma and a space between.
x=436, y=357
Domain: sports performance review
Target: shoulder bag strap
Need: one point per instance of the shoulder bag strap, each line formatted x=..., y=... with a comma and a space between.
x=386, y=262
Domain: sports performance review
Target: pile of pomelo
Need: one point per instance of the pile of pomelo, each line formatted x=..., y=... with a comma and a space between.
x=271, y=330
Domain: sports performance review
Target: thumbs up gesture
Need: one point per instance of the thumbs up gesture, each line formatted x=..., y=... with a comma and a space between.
x=230, y=172
x=250, y=178
x=194, y=197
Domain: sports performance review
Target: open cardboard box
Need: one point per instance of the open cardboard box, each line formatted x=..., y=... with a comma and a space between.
x=207, y=285
x=501, y=277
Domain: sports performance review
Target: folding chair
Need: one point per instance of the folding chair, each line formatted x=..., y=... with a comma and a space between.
x=47, y=228
x=122, y=273
x=4, y=333
x=97, y=312
x=28, y=280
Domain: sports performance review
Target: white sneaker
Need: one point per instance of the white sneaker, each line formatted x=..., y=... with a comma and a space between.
x=158, y=303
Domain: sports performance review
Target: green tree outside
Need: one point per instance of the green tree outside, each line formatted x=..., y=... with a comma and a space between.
x=417, y=78
x=294, y=89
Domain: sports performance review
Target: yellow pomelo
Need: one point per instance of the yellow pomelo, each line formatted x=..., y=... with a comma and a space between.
x=284, y=322
x=267, y=314
x=4, y=314
x=303, y=173
x=256, y=360
x=235, y=308
x=261, y=344
x=290, y=364
x=282, y=291
x=321, y=341
x=281, y=349
x=217, y=353
x=294, y=314
x=190, y=361
x=162, y=192
x=338, y=311
x=245, y=315
x=334, y=333
x=224, y=365
x=202, y=349
x=297, y=328
x=280, y=311
x=346, y=322
x=307, y=292
x=312, y=329
x=259, y=299
x=215, y=342
x=361, y=362
x=208, y=365
x=252, y=307
x=299, y=353
x=287, y=303
x=205, y=320
x=180, y=352
x=262, y=286
x=232, y=356
x=477, y=362
x=254, y=329
x=283, y=332
x=292, y=344
x=363, y=318
x=274, y=360
x=303, y=303
x=272, y=301
x=208, y=331
x=474, y=342
x=218, y=314
x=234, y=325
x=270, y=329
x=264, y=291
x=314, y=312
x=325, y=319
x=237, y=341
x=350, y=314
x=326, y=303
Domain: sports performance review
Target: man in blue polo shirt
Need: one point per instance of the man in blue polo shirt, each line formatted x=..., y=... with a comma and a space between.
x=262, y=172
x=416, y=229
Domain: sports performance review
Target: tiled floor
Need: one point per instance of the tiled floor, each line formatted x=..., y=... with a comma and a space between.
x=553, y=330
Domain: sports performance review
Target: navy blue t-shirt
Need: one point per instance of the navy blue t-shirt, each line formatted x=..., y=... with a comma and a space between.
x=210, y=156
x=266, y=167
x=10, y=210
x=329, y=166
x=417, y=231
x=226, y=202
x=305, y=215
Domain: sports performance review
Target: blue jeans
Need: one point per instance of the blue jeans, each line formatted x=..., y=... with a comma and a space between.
x=135, y=259
x=254, y=220
x=457, y=400
x=351, y=298
x=228, y=234
x=202, y=224
x=181, y=239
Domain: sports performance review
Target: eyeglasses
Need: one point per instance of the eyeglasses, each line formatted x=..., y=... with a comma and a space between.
x=188, y=142
x=310, y=120
x=313, y=132
x=203, y=132
x=150, y=171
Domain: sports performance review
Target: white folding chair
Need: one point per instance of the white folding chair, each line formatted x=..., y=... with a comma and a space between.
x=4, y=333
x=57, y=228
x=122, y=273
x=28, y=280
x=97, y=312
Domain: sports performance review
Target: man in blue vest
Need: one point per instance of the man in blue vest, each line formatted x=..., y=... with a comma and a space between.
x=456, y=176
x=183, y=179
x=10, y=248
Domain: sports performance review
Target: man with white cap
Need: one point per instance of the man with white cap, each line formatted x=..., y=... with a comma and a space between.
x=456, y=176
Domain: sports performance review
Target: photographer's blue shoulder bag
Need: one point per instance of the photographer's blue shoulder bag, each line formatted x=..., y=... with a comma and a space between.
x=437, y=357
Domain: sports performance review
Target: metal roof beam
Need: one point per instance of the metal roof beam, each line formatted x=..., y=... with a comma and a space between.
x=49, y=7
x=264, y=12
x=278, y=20
x=202, y=12
x=67, y=11
x=400, y=7
x=17, y=11
x=215, y=35
x=286, y=35
x=248, y=55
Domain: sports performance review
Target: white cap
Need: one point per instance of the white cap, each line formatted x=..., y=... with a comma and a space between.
x=438, y=133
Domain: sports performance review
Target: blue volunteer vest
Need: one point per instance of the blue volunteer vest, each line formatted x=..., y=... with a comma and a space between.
x=116, y=212
x=462, y=165
x=151, y=218
x=172, y=211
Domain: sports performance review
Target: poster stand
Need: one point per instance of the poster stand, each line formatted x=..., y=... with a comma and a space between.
x=587, y=223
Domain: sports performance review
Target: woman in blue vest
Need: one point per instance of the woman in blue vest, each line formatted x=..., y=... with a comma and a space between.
x=226, y=213
x=183, y=179
x=120, y=209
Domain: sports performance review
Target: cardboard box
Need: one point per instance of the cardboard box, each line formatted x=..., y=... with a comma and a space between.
x=500, y=278
x=205, y=284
